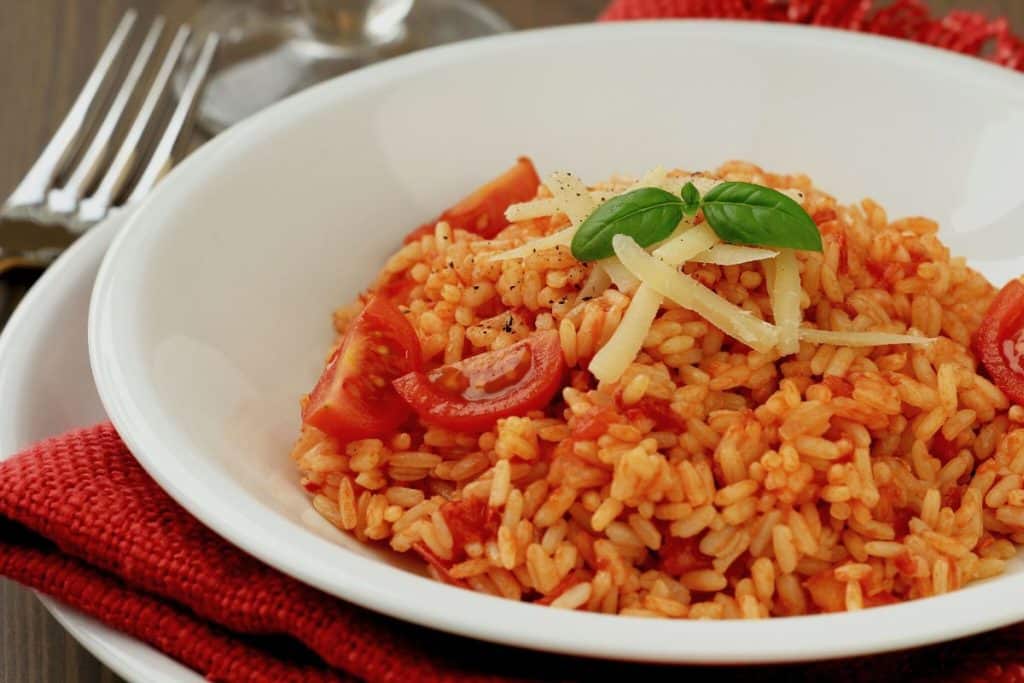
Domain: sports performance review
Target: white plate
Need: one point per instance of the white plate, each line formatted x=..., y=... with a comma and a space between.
x=211, y=311
x=46, y=388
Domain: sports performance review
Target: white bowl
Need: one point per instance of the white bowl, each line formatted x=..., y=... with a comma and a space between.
x=211, y=312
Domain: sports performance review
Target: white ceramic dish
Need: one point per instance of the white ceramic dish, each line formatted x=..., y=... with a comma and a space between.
x=46, y=388
x=211, y=311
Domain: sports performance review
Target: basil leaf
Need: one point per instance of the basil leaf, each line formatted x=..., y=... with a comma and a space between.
x=691, y=199
x=648, y=215
x=744, y=213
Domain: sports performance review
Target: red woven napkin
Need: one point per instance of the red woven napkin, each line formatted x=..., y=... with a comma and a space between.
x=966, y=32
x=81, y=521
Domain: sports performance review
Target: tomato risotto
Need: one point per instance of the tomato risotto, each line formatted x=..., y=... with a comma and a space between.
x=689, y=395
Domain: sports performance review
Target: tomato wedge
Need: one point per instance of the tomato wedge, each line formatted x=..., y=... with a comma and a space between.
x=483, y=212
x=354, y=398
x=472, y=394
x=999, y=342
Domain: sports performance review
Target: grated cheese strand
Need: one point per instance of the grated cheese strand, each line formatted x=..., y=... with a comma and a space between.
x=785, y=295
x=595, y=284
x=615, y=356
x=562, y=238
x=845, y=338
x=688, y=245
x=688, y=293
x=571, y=196
x=548, y=206
x=617, y=273
x=733, y=255
x=535, y=208
x=625, y=343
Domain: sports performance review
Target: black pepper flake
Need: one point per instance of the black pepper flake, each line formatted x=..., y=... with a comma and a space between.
x=511, y=287
x=476, y=286
x=508, y=325
x=451, y=264
x=587, y=298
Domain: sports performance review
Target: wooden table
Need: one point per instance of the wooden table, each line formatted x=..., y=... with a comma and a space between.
x=47, y=48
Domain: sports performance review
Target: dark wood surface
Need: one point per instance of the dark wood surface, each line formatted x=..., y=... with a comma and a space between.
x=47, y=48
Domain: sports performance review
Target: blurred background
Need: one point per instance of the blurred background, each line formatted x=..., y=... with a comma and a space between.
x=48, y=47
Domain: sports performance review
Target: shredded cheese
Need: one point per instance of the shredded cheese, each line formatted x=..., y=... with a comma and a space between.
x=535, y=208
x=615, y=356
x=733, y=255
x=548, y=206
x=621, y=349
x=845, y=338
x=562, y=238
x=688, y=293
x=595, y=284
x=617, y=273
x=687, y=245
x=769, y=275
x=571, y=197
x=785, y=296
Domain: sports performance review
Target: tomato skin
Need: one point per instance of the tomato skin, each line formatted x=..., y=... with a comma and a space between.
x=658, y=411
x=680, y=555
x=942, y=448
x=398, y=289
x=470, y=520
x=473, y=409
x=838, y=385
x=593, y=423
x=353, y=398
x=483, y=212
x=1000, y=329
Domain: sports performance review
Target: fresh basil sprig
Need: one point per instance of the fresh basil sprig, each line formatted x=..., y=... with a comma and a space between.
x=741, y=213
x=691, y=199
x=648, y=215
x=744, y=213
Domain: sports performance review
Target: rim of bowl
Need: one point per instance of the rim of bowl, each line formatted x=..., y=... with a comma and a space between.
x=420, y=600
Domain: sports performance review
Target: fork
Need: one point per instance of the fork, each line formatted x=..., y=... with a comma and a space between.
x=40, y=219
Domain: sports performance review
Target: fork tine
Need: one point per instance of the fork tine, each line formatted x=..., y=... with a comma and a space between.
x=162, y=154
x=65, y=199
x=33, y=187
x=95, y=207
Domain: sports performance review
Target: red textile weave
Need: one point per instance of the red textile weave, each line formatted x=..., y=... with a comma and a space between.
x=81, y=521
x=967, y=32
